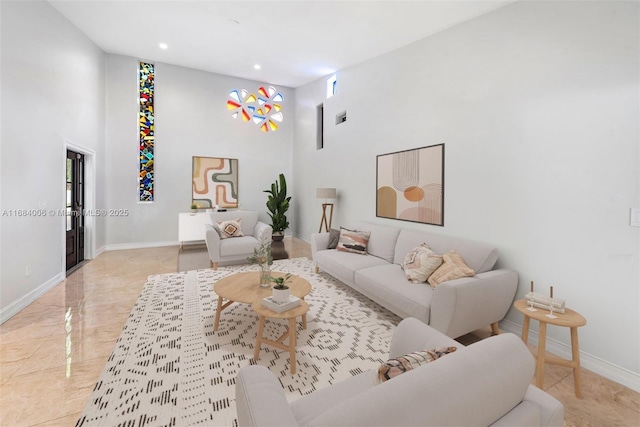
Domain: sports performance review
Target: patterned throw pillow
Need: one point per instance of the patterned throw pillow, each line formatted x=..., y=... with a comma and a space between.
x=353, y=241
x=231, y=228
x=419, y=263
x=453, y=267
x=394, y=367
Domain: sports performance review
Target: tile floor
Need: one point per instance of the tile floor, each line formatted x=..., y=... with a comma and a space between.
x=53, y=351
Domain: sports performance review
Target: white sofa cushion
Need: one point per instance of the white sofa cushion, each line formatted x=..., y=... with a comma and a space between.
x=478, y=256
x=382, y=241
x=238, y=246
x=343, y=265
x=388, y=286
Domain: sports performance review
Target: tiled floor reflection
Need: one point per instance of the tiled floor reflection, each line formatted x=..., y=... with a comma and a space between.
x=52, y=352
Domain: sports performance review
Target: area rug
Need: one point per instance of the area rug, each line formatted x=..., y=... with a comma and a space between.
x=170, y=368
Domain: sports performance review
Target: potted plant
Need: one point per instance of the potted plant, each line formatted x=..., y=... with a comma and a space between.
x=262, y=257
x=194, y=208
x=278, y=204
x=281, y=290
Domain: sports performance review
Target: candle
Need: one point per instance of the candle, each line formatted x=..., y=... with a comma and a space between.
x=551, y=292
x=532, y=286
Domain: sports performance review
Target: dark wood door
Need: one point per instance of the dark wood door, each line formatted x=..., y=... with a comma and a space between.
x=74, y=209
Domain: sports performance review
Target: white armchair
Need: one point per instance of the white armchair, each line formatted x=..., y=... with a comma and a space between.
x=235, y=250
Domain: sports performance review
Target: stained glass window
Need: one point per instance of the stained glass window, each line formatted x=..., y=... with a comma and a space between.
x=262, y=108
x=147, y=131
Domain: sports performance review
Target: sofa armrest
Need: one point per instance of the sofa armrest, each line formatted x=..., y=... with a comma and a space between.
x=263, y=232
x=319, y=242
x=212, y=239
x=413, y=335
x=463, y=305
x=551, y=410
x=260, y=400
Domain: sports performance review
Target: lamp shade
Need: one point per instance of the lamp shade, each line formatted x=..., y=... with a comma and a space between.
x=326, y=193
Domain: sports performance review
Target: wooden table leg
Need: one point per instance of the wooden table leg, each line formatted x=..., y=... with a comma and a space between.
x=218, y=310
x=292, y=343
x=542, y=340
x=525, y=329
x=575, y=353
x=256, y=353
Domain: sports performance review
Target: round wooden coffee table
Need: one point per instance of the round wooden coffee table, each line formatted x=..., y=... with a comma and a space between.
x=245, y=288
x=290, y=315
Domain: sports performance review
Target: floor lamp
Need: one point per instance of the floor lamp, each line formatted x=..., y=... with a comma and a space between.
x=326, y=193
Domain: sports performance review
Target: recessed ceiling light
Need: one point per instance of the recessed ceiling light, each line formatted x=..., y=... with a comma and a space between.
x=163, y=46
x=257, y=66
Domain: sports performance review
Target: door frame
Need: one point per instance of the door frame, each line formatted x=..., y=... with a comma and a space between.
x=89, y=199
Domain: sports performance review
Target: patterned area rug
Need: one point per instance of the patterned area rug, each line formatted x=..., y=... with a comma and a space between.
x=170, y=368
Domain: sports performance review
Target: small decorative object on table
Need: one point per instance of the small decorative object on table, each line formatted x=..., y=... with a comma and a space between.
x=535, y=299
x=194, y=208
x=281, y=292
x=262, y=257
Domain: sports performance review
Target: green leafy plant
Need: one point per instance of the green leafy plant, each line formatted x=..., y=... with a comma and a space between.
x=261, y=255
x=280, y=281
x=278, y=204
x=194, y=206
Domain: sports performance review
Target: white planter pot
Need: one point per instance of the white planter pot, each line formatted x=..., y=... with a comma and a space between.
x=281, y=295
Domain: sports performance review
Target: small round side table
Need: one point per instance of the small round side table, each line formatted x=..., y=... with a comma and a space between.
x=290, y=315
x=570, y=319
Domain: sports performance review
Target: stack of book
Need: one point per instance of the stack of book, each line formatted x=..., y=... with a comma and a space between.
x=279, y=307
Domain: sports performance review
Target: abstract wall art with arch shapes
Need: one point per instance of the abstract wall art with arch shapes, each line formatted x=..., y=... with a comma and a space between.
x=410, y=185
x=146, y=125
x=262, y=108
x=215, y=182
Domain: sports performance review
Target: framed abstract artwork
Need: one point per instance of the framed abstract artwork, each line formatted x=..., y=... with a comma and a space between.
x=410, y=185
x=215, y=182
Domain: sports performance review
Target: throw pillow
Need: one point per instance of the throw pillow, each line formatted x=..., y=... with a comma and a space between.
x=419, y=263
x=334, y=237
x=394, y=367
x=230, y=228
x=353, y=241
x=453, y=267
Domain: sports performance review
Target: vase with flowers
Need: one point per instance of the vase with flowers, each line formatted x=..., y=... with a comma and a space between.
x=262, y=257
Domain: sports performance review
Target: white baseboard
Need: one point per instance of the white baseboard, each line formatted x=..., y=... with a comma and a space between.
x=100, y=250
x=139, y=245
x=593, y=363
x=16, y=306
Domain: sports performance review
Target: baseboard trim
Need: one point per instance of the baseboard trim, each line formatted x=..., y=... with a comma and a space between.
x=593, y=363
x=18, y=305
x=139, y=245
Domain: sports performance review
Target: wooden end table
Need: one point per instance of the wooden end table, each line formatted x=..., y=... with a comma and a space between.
x=290, y=315
x=570, y=319
x=245, y=288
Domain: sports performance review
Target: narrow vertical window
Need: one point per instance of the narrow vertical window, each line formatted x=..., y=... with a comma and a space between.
x=320, y=127
x=147, y=131
x=332, y=84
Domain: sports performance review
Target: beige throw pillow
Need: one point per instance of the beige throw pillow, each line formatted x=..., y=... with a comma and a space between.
x=453, y=267
x=231, y=228
x=420, y=263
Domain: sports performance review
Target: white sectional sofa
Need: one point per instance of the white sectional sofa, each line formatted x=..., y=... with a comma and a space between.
x=455, y=307
x=484, y=384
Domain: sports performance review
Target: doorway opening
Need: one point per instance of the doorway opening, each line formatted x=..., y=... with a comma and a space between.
x=74, y=209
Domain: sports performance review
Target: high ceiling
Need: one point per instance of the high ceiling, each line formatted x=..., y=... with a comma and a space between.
x=294, y=42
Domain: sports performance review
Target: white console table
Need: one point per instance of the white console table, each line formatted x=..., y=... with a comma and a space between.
x=191, y=226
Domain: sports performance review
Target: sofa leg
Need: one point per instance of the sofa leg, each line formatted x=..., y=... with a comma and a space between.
x=214, y=265
x=317, y=270
x=494, y=329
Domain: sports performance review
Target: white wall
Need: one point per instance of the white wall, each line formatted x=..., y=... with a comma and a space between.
x=537, y=104
x=191, y=120
x=52, y=92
